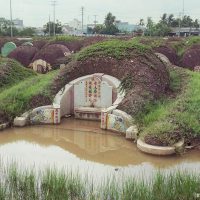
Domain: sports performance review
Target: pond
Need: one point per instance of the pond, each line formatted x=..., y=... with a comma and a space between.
x=81, y=146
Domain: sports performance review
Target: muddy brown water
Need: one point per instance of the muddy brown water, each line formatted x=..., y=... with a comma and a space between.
x=83, y=147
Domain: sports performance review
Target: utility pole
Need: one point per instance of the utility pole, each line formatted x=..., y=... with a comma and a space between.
x=82, y=14
x=183, y=8
x=49, y=26
x=54, y=3
x=95, y=21
x=11, y=21
x=179, y=21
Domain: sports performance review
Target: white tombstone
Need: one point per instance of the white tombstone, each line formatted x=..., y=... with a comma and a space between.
x=106, y=95
x=92, y=93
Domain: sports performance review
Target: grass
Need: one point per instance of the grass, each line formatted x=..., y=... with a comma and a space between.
x=182, y=46
x=172, y=115
x=66, y=38
x=15, y=100
x=113, y=48
x=152, y=42
x=11, y=73
x=54, y=185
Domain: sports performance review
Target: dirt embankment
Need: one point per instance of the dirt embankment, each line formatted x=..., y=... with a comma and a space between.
x=169, y=52
x=23, y=54
x=51, y=53
x=143, y=76
x=191, y=58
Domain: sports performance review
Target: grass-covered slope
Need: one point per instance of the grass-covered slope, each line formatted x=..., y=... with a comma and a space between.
x=114, y=48
x=27, y=94
x=175, y=117
x=11, y=73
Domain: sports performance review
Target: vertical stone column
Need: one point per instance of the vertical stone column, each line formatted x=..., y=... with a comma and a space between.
x=56, y=114
x=104, y=115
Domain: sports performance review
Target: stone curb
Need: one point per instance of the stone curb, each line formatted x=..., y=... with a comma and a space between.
x=158, y=150
x=3, y=126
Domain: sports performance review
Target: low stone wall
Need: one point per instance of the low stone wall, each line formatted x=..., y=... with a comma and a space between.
x=159, y=150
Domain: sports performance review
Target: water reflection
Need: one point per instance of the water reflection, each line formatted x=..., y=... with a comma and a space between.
x=83, y=146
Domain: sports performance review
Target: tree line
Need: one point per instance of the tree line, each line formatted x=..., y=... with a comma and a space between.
x=167, y=22
x=161, y=28
x=5, y=29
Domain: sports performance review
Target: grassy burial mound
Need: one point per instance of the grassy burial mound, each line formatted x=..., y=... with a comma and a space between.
x=178, y=116
x=27, y=94
x=51, y=53
x=144, y=77
x=23, y=54
x=11, y=73
x=3, y=40
x=163, y=46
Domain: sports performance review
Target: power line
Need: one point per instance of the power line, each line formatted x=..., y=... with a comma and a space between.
x=95, y=20
x=54, y=3
x=11, y=20
x=82, y=14
x=183, y=8
x=49, y=26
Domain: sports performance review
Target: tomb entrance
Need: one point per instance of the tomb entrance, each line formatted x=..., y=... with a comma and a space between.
x=91, y=97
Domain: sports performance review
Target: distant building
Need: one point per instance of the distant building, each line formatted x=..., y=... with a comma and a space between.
x=185, y=31
x=39, y=31
x=18, y=23
x=74, y=28
x=66, y=29
x=127, y=28
x=75, y=24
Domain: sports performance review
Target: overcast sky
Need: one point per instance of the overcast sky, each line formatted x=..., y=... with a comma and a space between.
x=36, y=12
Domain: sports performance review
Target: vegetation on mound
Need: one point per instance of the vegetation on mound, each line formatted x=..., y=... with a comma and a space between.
x=169, y=120
x=114, y=48
x=65, y=38
x=183, y=45
x=11, y=73
x=52, y=184
x=16, y=99
x=152, y=42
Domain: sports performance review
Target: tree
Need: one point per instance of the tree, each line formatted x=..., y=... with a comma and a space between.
x=98, y=29
x=109, y=20
x=110, y=28
x=164, y=19
x=170, y=20
x=186, y=21
x=5, y=27
x=141, y=23
x=150, y=27
x=196, y=24
x=27, y=32
x=58, y=28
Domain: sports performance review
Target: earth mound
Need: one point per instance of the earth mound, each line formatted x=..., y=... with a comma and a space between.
x=11, y=72
x=191, y=58
x=169, y=52
x=144, y=76
x=23, y=54
x=39, y=44
x=51, y=53
x=73, y=46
